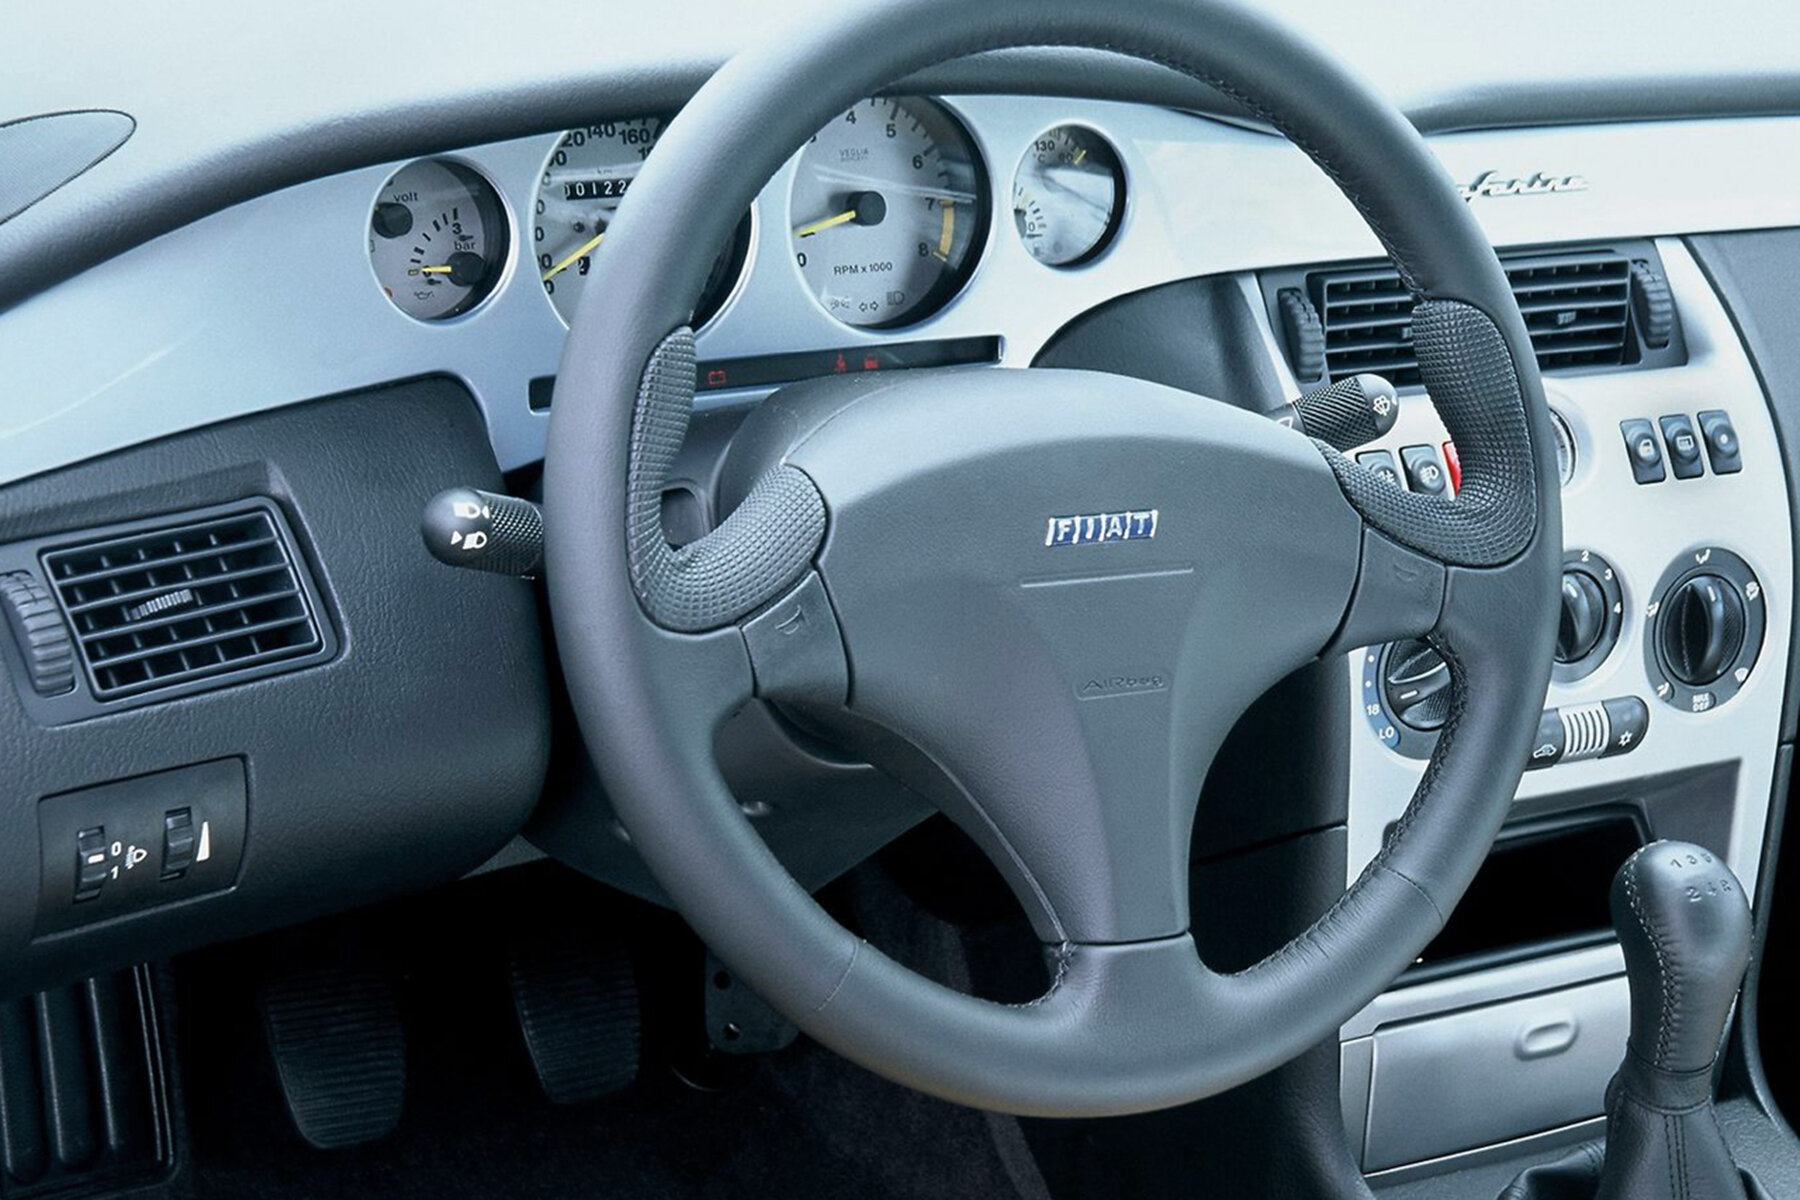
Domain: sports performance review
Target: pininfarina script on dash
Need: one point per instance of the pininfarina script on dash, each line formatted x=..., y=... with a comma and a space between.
x=1492, y=183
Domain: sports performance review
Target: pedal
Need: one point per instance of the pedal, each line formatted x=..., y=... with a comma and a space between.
x=577, y=1001
x=339, y=1051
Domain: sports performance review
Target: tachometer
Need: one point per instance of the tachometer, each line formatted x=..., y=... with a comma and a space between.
x=587, y=176
x=1068, y=196
x=888, y=209
x=437, y=239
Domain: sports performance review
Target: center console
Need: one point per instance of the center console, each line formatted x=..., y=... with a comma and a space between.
x=1661, y=721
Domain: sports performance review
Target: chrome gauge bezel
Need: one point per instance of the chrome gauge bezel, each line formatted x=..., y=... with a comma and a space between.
x=953, y=283
x=498, y=212
x=742, y=251
x=1109, y=236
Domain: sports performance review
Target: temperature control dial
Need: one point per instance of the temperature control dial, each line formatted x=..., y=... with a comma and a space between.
x=1705, y=629
x=1593, y=608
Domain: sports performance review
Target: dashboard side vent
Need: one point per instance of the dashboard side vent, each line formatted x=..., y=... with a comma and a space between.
x=1577, y=305
x=178, y=604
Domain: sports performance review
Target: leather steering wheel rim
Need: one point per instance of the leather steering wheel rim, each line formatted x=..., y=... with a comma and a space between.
x=655, y=641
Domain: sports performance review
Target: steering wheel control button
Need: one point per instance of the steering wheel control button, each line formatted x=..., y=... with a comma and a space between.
x=91, y=863
x=1551, y=742
x=1684, y=446
x=1593, y=608
x=1704, y=629
x=796, y=648
x=1721, y=439
x=1627, y=721
x=1424, y=473
x=1382, y=463
x=1645, y=451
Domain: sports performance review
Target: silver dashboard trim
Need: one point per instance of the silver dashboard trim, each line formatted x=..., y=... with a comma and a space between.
x=197, y=327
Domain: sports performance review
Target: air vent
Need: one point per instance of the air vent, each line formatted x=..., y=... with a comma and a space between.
x=200, y=601
x=1576, y=306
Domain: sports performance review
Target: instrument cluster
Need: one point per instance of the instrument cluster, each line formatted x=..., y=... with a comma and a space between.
x=889, y=210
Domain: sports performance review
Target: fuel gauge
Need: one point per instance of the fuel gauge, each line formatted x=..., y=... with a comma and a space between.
x=1068, y=196
x=437, y=239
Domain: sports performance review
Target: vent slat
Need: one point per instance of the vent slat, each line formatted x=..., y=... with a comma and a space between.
x=191, y=614
x=1532, y=307
x=125, y=599
x=1544, y=330
x=175, y=649
x=184, y=603
x=172, y=560
x=1576, y=308
x=230, y=667
x=1617, y=289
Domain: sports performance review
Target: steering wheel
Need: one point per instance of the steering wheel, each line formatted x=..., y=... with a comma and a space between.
x=1043, y=596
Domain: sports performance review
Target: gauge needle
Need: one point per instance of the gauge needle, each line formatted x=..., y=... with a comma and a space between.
x=843, y=218
x=570, y=261
x=444, y=270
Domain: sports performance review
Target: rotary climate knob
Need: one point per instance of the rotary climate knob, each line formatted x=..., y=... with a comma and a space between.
x=1415, y=684
x=1702, y=629
x=1583, y=618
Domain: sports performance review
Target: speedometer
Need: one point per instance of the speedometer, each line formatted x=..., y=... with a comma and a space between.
x=888, y=209
x=587, y=176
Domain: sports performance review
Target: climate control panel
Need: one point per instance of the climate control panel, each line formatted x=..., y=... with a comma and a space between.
x=1704, y=629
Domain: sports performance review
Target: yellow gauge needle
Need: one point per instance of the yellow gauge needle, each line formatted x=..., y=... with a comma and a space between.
x=436, y=270
x=843, y=218
x=570, y=261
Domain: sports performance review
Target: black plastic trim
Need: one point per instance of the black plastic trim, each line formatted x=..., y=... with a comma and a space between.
x=407, y=759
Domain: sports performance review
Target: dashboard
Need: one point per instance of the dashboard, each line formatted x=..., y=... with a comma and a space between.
x=149, y=348
x=972, y=229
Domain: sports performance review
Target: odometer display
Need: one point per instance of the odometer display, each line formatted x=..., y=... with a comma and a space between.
x=888, y=209
x=587, y=176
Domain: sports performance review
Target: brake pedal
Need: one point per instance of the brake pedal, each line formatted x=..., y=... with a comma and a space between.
x=578, y=1008
x=339, y=1051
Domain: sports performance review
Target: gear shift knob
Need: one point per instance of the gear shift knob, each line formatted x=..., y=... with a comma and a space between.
x=1684, y=924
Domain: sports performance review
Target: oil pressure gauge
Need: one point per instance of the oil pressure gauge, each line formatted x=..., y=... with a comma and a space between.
x=438, y=239
x=1068, y=196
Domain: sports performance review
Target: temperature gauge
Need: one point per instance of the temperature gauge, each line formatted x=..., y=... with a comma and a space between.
x=1068, y=196
x=437, y=239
